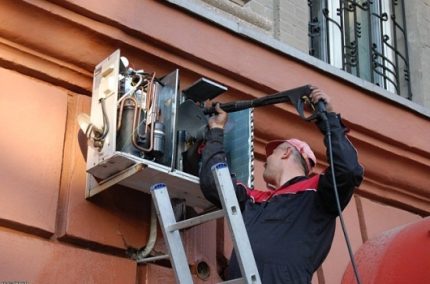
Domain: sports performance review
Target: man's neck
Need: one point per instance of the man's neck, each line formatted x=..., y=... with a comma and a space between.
x=289, y=176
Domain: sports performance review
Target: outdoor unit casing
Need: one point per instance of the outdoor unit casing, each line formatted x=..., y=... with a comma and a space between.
x=136, y=115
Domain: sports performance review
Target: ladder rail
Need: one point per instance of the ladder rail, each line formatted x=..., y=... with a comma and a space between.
x=178, y=258
x=242, y=246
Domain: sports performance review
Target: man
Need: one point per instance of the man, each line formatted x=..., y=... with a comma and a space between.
x=290, y=224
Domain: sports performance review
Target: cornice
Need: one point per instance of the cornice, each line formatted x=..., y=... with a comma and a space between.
x=32, y=63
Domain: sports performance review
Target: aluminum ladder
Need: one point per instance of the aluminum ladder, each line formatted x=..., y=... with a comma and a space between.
x=231, y=211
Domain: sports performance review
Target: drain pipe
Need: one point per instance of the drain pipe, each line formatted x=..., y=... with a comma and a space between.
x=152, y=236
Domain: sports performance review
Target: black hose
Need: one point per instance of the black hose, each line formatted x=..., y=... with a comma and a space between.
x=323, y=117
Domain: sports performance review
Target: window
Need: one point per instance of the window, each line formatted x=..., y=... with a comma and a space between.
x=364, y=38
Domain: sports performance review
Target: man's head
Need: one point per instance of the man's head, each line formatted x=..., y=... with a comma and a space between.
x=286, y=157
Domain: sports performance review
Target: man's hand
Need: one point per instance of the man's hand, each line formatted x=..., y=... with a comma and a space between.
x=219, y=120
x=317, y=94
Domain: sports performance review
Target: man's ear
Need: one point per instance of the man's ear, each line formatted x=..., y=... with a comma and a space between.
x=287, y=153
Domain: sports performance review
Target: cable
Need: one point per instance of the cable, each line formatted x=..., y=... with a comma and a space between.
x=323, y=117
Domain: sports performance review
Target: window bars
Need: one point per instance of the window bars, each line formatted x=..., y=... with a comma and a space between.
x=364, y=38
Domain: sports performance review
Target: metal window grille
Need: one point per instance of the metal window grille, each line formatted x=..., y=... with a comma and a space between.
x=364, y=38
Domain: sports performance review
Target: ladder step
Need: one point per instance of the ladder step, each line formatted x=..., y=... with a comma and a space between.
x=196, y=220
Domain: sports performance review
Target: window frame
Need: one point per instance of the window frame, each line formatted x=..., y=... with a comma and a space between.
x=341, y=30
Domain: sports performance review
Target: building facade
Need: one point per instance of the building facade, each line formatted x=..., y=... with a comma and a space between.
x=50, y=233
x=384, y=42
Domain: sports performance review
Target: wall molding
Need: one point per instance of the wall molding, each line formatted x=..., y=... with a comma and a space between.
x=35, y=64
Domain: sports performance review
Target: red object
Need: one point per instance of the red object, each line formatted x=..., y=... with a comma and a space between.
x=308, y=184
x=398, y=256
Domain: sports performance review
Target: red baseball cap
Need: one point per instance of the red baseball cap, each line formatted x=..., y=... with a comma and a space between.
x=302, y=147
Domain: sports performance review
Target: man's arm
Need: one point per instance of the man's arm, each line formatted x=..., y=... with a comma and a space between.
x=213, y=153
x=348, y=171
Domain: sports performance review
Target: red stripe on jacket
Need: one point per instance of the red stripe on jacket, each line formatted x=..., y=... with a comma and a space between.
x=304, y=185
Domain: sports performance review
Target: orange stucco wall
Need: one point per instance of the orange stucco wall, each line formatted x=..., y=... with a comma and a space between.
x=48, y=49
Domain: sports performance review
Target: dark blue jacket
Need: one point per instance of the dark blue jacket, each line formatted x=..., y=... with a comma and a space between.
x=290, y=233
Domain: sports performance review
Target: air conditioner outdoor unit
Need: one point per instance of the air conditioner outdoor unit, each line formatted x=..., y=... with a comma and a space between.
x=143, y=129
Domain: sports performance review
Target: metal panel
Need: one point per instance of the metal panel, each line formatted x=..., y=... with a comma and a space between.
x=181, y=185
x=238, y=141
x=105, y=86
x=167, y=96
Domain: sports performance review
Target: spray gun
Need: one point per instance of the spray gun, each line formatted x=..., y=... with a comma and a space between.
x=194, y=119
x=299, y=97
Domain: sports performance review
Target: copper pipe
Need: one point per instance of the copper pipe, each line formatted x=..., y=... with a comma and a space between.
x=123, y=98
x=137, y=116
x=136, y=110
x=132, y=90
x=136, y=131
x=121, y=108
x=151, y=98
